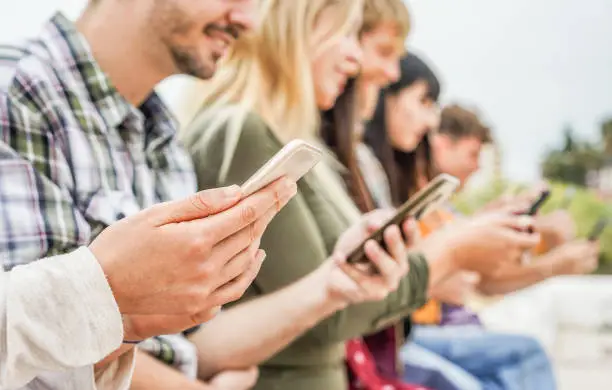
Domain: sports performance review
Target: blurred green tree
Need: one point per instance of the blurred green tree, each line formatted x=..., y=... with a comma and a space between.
x=572, y=163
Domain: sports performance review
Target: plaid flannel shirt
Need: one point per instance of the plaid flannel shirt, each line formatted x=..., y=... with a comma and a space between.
x=75, y=156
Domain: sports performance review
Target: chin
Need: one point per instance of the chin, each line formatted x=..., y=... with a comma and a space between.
x=327, y=103
x=410, y=145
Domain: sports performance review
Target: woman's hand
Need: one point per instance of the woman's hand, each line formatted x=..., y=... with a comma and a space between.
x=483, y=244
x=575, y=258
x=456, y=289
x=356, y=283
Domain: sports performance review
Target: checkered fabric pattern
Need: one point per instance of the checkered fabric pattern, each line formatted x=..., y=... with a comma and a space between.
x=75, y=156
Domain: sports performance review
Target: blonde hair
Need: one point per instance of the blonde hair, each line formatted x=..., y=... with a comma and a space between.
x=377, y=12
x=268, y=72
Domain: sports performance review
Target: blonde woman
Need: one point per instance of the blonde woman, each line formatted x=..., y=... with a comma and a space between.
x=270, y=90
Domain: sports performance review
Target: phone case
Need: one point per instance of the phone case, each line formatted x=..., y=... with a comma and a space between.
x=294, y=160
x=439, y=190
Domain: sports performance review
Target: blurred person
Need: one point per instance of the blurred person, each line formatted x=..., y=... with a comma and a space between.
x=384, y=31
x=263, y=108
x=399, y=136
x=87, y=142
x=254, y=106
x=458, y=142
x=456, y=148
x=386, y=25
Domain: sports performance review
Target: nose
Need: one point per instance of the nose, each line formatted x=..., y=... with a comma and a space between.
x=355, y=56
x=245, y=14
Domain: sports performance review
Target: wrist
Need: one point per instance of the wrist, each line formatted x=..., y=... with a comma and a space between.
x=109, y=272
x=444, y=253
x=552, y=264
x=130, y=335
x=441, y=256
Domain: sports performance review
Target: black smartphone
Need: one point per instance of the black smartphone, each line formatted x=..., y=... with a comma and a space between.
x=535, y=207
x=436, y=192
x=598, y=229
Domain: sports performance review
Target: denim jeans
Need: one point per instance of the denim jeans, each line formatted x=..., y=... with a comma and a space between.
x=499, y=361
x=426, y=368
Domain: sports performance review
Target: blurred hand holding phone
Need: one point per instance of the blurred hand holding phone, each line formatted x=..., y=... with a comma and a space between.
x=531, y=212
x=598, y=229
x=438, y=191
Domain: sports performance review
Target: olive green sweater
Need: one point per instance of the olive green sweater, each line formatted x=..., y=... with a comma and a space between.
x=298, y=241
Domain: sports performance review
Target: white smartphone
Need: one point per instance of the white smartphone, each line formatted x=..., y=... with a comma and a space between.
x=294, y=160
x=438, y=191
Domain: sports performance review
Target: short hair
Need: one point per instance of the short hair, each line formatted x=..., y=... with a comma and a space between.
x=459, y=122
x=377, y=12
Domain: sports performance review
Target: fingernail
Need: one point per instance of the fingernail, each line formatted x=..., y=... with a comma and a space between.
x=233, y=192
x=263, y=255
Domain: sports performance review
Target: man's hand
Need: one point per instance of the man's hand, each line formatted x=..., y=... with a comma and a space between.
x=484, y=243
x=575, y=258
x=234, y=380
x=519, y=203
x=556, y=228
x=188, y=257
x=457, y=288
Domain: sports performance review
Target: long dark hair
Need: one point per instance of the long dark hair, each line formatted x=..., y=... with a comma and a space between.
x=338, y=131
x=402, y=168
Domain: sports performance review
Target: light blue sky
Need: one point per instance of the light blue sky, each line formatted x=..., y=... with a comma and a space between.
x=530, y=65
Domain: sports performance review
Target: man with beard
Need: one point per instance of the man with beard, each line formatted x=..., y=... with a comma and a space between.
x=85, y=142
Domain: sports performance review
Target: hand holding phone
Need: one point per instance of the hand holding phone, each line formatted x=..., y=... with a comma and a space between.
x=535, y=207
x=293, y=161
x=439, y=190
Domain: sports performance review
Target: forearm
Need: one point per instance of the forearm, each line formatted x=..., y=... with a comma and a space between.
x=441, y=260
x=365, y=318
x=520, y=277
x=61, y=316
x=249, y=333
x=151, y=374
